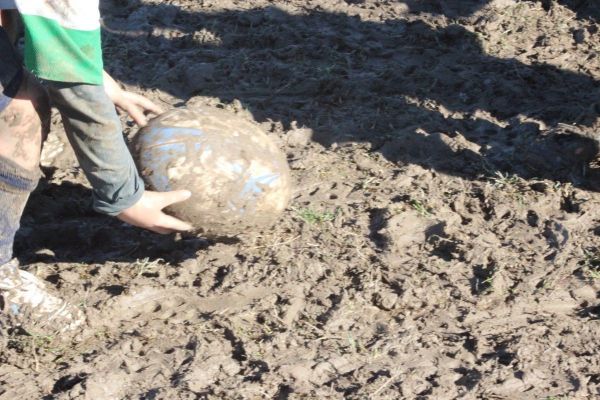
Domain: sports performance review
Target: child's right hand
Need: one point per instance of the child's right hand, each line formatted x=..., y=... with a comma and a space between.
x=147, y=212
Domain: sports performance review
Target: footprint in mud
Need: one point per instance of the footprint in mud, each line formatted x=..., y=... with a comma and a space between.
x=158, y=303
x=401, y=232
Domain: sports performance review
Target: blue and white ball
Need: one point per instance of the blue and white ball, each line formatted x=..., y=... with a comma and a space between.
x=239, y=179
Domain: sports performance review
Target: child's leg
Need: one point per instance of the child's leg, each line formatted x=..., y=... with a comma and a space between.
x=24, y=116
x=24, y=123
x=16, y=183
x=24, y=299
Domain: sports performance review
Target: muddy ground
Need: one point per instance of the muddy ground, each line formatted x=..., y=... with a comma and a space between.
x=444, y=236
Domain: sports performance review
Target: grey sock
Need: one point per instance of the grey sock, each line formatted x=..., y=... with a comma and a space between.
x=16, y=183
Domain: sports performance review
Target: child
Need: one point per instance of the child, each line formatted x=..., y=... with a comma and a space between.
x=64, y=66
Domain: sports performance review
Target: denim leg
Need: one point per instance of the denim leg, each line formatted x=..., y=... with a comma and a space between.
x=16, y=183
x=94, y=131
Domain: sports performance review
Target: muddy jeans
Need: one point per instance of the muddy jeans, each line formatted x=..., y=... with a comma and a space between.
x=94, y=131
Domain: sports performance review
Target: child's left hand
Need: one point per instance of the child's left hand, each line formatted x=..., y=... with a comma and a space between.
x=134, y=104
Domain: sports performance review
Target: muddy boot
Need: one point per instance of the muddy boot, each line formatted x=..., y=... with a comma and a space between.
x=27, y=304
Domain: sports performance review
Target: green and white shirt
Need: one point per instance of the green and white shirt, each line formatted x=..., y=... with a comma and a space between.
x=62, y=39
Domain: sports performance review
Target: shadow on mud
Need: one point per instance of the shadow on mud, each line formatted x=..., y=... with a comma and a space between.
x=413, y=92
x=410, y=89
x=59, y=225
x=585, y=9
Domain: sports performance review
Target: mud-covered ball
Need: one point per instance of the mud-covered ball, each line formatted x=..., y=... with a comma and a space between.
x=239, y=179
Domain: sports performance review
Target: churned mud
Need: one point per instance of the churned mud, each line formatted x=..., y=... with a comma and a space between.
x=443, y=239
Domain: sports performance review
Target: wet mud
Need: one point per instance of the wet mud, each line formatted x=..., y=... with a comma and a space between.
x=443, y=238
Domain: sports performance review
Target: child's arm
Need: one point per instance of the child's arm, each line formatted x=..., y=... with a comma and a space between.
x=62, y=47
x=94, y=131
x=146, y=213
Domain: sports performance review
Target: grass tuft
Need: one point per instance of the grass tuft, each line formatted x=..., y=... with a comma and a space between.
x=312, y=217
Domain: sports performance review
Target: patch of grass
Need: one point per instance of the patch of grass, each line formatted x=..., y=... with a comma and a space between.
x=312, y=217
x=488, y=282
x=146, y=266
x=102, y=334
x=366, y=184
x=594, y=274
x=355, y=345
x=502, y=180
x=421, y=208
x=35, y=344
x=44, y=342
x=38, y=341
x=591, y=263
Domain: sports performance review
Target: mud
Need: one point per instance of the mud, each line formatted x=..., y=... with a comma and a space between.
x=443, y=239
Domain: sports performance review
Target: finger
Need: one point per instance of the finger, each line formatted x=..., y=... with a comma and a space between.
x=165, y=199
x=135, y=222
x=136, y=114
x=172, y=224
x=159, y=229
x=145, y=103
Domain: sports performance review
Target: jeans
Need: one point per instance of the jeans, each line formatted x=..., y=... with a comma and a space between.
x=94, y=131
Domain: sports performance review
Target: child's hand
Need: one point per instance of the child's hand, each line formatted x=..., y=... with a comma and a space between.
x=147, y=212
x=135, y=105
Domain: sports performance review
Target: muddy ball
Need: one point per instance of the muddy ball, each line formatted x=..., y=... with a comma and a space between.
x=239, y=178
